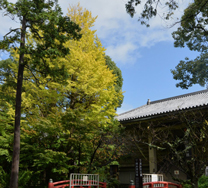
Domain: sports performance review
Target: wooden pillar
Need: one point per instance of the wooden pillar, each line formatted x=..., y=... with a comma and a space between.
x=152, y=158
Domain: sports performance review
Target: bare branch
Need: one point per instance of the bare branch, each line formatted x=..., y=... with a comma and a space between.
x=12, y=30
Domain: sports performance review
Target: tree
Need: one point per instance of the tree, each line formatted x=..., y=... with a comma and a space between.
x=191, y=72
x=117, y=72
x=68, y=123
x=7, y=102
x=150, y=9
x=192, y=33
x=192, y=30
x=44, y=20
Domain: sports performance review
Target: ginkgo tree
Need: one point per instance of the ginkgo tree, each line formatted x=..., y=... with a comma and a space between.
x=82, y=106
x=68, y=123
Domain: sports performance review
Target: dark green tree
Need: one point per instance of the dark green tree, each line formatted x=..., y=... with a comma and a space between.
x=192, y=72
x=192, y=32
x=44, y=21
x=7, y=100
x=116, y=71
x=150, y=9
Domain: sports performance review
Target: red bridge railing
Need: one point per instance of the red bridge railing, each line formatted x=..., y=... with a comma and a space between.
x=158, y=184
x=161, y=184
x=66, y=183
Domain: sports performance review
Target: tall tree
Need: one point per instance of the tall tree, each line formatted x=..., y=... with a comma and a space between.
x=44, y=20
x=193, y=33
x=69, y=118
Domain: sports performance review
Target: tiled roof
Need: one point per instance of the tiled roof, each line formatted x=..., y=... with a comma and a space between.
x=181, y=102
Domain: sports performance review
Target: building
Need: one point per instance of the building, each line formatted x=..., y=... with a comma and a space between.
x=171, y=115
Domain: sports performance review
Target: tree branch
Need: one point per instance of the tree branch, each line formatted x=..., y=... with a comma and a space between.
x=12, y=30
x=37, y=81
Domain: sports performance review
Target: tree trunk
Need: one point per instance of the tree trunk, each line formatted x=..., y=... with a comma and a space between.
x=195, y=182
x=93, y=156
x=16, y=146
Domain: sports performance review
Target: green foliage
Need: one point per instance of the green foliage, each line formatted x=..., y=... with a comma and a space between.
x=24, y=178
x=117, y=72
x=112, y=182
x=44, y=21
x=193, y=31
x=192, y=72
x=187, y=185
x=6, y=140
x=68, y=112
x=203, y=182
x=194, y=34
x=150, y=9
x=4, y=177
x=6, y=118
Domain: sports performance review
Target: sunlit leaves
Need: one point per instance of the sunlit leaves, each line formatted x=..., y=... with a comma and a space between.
x=68, y=104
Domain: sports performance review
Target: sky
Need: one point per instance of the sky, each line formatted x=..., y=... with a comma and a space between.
x=144, y=55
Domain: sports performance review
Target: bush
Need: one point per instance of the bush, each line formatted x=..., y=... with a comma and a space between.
x=203, y=182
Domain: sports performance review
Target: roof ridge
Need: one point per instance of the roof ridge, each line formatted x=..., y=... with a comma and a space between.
x=131, y=110
x=187, y=101
x=166, y=99
x=179, y=96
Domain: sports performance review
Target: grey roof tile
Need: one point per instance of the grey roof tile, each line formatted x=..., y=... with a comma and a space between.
x=181, y=102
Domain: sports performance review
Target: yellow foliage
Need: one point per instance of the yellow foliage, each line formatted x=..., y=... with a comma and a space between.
x=89, y=74
x=88, y=92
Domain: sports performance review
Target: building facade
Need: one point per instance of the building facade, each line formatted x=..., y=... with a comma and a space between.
x=151, y=127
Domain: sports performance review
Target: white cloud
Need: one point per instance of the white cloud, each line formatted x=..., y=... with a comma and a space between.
x=119, y=33
x=7, y=23
x=152, y=37
x=123, y=53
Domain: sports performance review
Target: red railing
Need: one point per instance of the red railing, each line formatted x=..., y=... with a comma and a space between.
x=102, y=184
x=162, y=184
x=65, y=183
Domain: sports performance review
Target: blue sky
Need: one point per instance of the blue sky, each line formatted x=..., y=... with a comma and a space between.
x=144, y=55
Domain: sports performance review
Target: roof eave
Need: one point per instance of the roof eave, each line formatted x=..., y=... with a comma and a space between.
x=143, y=118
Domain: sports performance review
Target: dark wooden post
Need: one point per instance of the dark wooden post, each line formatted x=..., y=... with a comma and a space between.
x=138, y=173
